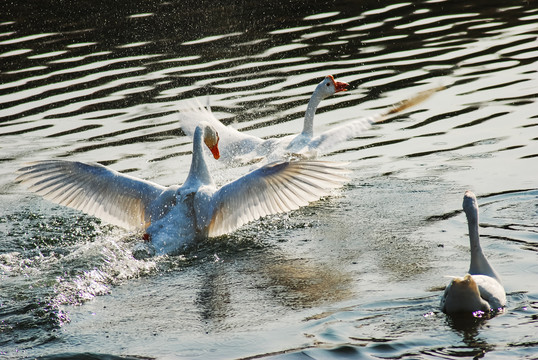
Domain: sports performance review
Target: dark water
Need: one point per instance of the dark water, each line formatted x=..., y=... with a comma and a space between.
x=358, y=275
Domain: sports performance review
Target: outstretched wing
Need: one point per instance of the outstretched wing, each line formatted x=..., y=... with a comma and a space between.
x=94, y=189
x=354, y=128
x=272, y=189
x=337, y=135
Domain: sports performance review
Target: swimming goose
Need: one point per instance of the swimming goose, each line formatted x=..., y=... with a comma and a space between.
x=480, y=289
x=175, y=216
x=238, y=148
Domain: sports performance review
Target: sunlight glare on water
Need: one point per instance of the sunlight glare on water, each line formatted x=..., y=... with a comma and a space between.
x=356, y=275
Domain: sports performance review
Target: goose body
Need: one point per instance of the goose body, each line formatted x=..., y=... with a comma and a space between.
x=239, y=148
x=173, y=217
x=481, y=288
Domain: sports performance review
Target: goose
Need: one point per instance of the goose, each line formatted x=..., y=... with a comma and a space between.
x=480, y=289
x=239, y=148
x=174, y=217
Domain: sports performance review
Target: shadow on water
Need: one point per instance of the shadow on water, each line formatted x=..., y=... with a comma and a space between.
x=356, y=276
x=90, y=356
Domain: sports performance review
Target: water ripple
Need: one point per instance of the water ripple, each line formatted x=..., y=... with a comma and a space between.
x=104, y=83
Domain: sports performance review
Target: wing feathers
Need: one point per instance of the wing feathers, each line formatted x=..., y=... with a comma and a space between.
x=124, y=200
x=92, y=188
x=195, y=113
x=354, y=128
x=273, y=189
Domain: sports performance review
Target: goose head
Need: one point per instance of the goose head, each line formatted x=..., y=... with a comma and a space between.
x=470, y=205
x=329, y=86
x=211, y=140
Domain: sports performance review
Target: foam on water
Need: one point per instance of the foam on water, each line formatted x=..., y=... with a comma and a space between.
x=356, y=275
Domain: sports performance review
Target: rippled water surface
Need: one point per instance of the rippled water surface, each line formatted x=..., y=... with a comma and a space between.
x=357, y=275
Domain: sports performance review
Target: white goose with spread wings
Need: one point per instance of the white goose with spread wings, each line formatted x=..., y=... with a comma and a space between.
x=239, y=148
x=173, y=217
x=480, y=289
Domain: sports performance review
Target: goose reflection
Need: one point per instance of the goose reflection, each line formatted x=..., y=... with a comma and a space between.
x=264, y=277
x=469, y=328
x=302, y=283
x=214, y=296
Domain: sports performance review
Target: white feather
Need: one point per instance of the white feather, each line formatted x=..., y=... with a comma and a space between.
x=175, y=216
x=272, y=189
x=94, y=189
x=239, y=148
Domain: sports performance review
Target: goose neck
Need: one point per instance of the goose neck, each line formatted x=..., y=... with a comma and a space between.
x=198, y=172
x=479, y=262
x=311, y=108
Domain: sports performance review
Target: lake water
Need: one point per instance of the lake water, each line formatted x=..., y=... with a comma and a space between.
x=357, y=275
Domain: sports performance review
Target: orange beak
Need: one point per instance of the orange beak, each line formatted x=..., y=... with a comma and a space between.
x=215, y=149
x=215, y=152
x=339, y=85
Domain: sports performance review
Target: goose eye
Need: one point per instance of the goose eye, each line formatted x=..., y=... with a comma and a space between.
x=328, y=84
